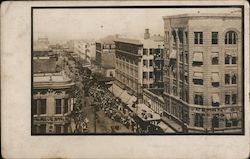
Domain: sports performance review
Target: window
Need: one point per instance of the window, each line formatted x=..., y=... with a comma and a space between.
x=198, y=59
x=186, y=34
x=150, y=74
x=215, y=79
x=65, y=128
x=198, y=38
x=227, y=78
x=198, y=120
x=215, y=58
x=58, y=106
x=198, y=99
x=215, y=122
x=145, y=75
x=145, y=51
x=180, y=35
x=111, y=74
x=198, y=78
x=58, y=128
x=34, y=106
x=186, y=57
x=227, y=98
x=42, y=128
x=234, y=98
x=215, y=100
x=214, y=37
x=145, y=63
x=43, y=106
x=234, y=60
x=150, y=62
x=234, y=79
x=227, y=59
x=151, y=51
x=230, y=59
x=174, y=36
x=65, y=105
x=230, y=37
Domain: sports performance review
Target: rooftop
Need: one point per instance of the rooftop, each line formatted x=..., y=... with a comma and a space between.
x=51, y=80
x=214, y=15
x=130, y=41
x=44, y=64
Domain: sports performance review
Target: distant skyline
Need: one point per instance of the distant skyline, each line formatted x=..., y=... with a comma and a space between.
x=70, y=24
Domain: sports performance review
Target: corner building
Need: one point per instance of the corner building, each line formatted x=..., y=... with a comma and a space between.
x=203, y=71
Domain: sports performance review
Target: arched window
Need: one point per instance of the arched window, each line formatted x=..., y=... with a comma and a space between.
x=230, y=37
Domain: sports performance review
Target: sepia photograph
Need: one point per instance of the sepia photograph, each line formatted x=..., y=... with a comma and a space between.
x=137, y=70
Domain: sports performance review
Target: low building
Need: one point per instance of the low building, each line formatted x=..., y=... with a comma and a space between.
x=52, y=100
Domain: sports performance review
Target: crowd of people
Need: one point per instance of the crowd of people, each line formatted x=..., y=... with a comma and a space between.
x=112, y=106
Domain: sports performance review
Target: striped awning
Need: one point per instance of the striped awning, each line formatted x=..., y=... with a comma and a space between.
x=215, y=54
x=216, y=98
x=198, y=57
x=215, y=77
x=173, y=54
x=198, y=75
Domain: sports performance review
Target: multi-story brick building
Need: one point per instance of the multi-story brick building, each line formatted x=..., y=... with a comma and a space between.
x=139, y=63
x=203, y=71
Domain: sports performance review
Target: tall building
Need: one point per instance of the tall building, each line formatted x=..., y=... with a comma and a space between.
x=203, y=71
x=139, y=63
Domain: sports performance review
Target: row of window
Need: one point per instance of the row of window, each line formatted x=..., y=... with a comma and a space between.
x=198, y=59
x=230, y=38
x=147, y=63
x=199, y=121
x=40, y=106
x=147, y=75
x=229, y=99
x=229, y=79
x=58, y=128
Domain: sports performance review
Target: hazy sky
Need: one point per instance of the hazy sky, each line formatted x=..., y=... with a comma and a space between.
x=96, y=23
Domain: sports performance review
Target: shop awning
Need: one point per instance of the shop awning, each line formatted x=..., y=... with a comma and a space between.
x=215, y=54
x=198, y=75
x=216, y=98
x=234, y=115
x=198, y=57
x=231, y=53
x=173, y=54
x=228, y=116
x=116, y=90
x=131, y=100
x=163, y=126
x=215, y=77
x=125, y=97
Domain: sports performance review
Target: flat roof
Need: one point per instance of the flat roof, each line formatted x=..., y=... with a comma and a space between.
x=129, y=41
x=215, y=15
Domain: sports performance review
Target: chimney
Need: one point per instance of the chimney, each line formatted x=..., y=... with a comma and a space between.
x=146, y=34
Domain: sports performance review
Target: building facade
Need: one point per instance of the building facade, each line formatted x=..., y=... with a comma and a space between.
x=203, y=71
x=105, y=56
x=52, y=101
x=139, y=64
